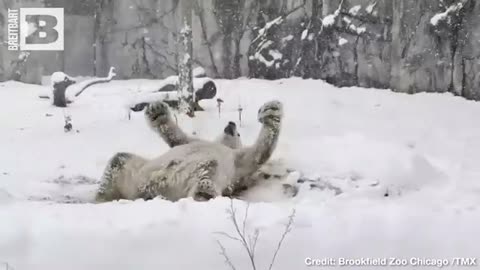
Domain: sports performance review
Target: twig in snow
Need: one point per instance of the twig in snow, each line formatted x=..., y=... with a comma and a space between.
x=68, y=122
x=219, y=105
x=223, y=252
x=240, y=109
x=249, y=242
x=288, y=228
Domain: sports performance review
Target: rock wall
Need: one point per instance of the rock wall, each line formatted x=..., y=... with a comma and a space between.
x=407, y=45
x=421, y=58
x=467, y=58
x=370, y=43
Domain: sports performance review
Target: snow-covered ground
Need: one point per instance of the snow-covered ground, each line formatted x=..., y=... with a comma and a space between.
x=422, y=150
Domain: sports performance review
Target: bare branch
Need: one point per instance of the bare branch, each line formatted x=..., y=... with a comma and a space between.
x=249, y=242
x=148, y=17
x=228, y=236
x=223, y=252
x=91, y=82
x=233, y=217
x=251, y=9
x=295, y=9
x=256, y=235
x=288, y=228
x=245, y=218
x=161, y=56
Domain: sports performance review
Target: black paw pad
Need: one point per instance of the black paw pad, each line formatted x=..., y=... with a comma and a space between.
x=202, y=196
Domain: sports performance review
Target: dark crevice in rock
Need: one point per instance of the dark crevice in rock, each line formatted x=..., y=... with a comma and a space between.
x=455, y=40
x=355, y=60
x=463, y=77
x=144, y=57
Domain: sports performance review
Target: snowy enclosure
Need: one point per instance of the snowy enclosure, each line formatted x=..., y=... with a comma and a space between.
x=421, y=150
x=313, y=134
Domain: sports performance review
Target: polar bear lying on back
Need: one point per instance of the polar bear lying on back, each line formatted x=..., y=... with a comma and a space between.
x=192, y=167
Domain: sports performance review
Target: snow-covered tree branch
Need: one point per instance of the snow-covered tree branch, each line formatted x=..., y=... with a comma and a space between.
x=85, y=84
x=64, y=84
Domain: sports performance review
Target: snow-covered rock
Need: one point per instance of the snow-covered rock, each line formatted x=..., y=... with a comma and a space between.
x=58, y=76
x=444, y=15
x=369, y=9
x=354, y=10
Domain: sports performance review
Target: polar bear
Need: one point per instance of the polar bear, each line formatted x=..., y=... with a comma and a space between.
x=192, y=167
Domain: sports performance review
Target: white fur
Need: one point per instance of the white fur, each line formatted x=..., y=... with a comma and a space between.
x=229, y=140
x=191, y=168
x=181, y=178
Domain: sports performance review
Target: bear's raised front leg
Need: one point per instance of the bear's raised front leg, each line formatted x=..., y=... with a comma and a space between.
x=204, y=187
x=159, y=118
x=120, y=168
x=249, y=159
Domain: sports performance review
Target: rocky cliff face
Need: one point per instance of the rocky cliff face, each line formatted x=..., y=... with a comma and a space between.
x=406, y=45
x=467, y=57
x=422, y=53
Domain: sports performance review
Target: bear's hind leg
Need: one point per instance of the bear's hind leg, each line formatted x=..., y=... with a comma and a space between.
x=204, y=188
x=118, y=168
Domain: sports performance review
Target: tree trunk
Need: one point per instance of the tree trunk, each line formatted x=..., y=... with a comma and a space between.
x=185, y=62
x=59, y=99
x=59, y=89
